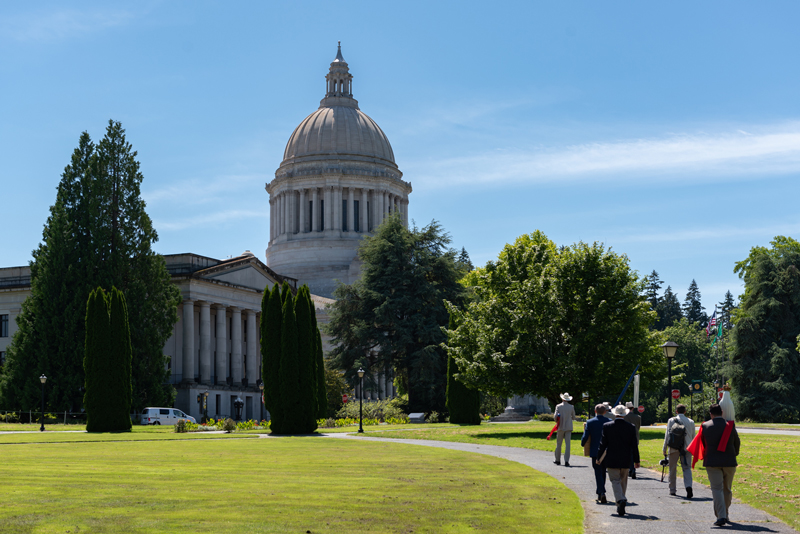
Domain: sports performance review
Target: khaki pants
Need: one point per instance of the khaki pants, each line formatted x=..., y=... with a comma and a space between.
x=561, y=435
x=619, y=482
x=686, y=469
x=721, y=481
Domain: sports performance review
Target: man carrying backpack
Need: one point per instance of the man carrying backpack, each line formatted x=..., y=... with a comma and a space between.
x=680, y=433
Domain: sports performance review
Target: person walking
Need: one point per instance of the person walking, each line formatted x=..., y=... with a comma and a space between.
x=564, y=414
x=677, y=438
x=635, y=419
x=720, y=443
x=617, y=444
x=593, y=433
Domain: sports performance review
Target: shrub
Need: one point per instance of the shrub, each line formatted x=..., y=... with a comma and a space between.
x=229, y=425
x=403, y=420
x=180, y=426
x=245, y=425
x=330, y=422
x=433, y=417
x=545, y=417
x=380, y=410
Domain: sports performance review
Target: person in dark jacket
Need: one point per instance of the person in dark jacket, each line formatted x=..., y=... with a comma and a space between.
x=720, y=465
x=592, y=433
x=635, y=419
x=617, y=445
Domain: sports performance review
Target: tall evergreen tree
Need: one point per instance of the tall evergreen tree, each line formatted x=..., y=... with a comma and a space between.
x=271, y=319
x=107, y=366
x=652, y=285
x=307, y=379
x=765, y=364
x=393, y=316
x=726, y=307
x=669, y=310
x=692, y=308
x=97, y=234
x=463, y=263
x=463, y=403
x=289, y=406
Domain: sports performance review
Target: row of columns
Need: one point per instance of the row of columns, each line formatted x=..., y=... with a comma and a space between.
x=385, y=390
x=204, y=359
x=289, y=209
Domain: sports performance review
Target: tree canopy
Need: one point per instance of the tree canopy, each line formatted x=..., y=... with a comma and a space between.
x=97, y=234
x=392, y=317
x=765, y=364
x=545, y=320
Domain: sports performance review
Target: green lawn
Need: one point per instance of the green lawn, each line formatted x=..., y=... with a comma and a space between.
x=295, y=484
x=768, y=476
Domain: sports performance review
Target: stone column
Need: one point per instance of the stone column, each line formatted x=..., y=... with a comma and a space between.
x=271, y=219
x=351, y=209
x=327, y=216
x=315, y=210
x=385, y=199
x=302, y=228
x=405, y=212
x=252, y=348
x=205, y=342
x=363, y=212
x=188, y=341
x=221, y=371
x=236, y=345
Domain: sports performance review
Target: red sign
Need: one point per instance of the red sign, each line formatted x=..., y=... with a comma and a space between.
x=719, y=391
x=344, y=398
x=641, y=409
x=676, y=394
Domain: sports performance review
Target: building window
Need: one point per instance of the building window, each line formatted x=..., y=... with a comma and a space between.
x=369, y=217
x=344, y=215
x=2, y=359
x=310, y=222
x=321, y=215
x=356, y=217
x=4, y=325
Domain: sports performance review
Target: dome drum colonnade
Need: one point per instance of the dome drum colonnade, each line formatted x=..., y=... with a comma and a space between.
x=337, y=182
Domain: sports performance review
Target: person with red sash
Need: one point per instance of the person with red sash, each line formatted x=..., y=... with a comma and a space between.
x=717, y=444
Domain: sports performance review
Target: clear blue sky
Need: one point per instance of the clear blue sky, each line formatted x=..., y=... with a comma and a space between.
x=668, y=131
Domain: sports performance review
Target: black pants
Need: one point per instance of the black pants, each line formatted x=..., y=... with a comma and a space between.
x=599, y=477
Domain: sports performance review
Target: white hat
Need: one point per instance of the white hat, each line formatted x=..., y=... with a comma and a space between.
x=629, y=404
x=618, y=410
x=566, y=397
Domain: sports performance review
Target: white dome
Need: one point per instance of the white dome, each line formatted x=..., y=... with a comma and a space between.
x=339, y=131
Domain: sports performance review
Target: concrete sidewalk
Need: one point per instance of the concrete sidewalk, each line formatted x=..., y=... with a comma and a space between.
x=650, y=507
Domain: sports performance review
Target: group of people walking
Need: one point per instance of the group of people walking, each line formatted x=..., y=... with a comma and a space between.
x=612, y=443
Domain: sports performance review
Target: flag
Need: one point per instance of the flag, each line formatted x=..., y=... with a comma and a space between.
x=711, y=323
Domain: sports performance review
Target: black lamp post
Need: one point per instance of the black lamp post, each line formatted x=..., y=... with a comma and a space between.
x=670, y=347
x=360, y=400
x=43, y=379
x=261, y=387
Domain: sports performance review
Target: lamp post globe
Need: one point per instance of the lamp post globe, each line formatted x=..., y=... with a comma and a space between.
x=360, y=400
x=42, y=379
x=669, y=348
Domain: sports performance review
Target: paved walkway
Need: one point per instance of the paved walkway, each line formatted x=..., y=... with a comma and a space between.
x=650, y=507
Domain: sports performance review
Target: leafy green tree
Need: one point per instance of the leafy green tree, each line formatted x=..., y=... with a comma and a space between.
x=692, y=308
x=463, y=403
x=107, y=363
x=392, y=317
x=97, y=234
x=335, y=387
x=546, y=320
x=765, y=363
x=669, y=310
x=693, y=359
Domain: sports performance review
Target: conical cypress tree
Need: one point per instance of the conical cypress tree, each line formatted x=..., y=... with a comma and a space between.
x=463, y=403
x=289, y=372
x=271, y=319
x=121, y=353
x=306, y=343
x=96, y=348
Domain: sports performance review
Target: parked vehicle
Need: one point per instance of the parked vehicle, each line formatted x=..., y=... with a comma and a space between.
x=164, y=416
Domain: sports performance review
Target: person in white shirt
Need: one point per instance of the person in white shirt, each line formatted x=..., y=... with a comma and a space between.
x=564, y=414
x=681, y=454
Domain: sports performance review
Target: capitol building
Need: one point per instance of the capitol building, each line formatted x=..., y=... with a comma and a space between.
x=338, y=180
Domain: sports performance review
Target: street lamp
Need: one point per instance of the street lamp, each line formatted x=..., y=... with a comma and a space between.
x=261, y=387
x=360, y=400
x=670, y=348
x=43, y=379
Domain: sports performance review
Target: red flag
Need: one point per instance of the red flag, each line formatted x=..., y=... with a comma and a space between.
x=726, y=435
x=558, y=420
x=696, y=447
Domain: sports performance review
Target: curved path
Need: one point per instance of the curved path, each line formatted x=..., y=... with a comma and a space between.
x=650, y=507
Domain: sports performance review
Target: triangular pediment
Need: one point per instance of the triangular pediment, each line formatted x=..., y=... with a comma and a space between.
x=245, y=271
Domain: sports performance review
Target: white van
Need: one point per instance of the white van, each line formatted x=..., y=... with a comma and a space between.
x=164, y=416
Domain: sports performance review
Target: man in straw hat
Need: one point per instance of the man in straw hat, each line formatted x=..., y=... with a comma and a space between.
x=564, y=415
x=617, y=444
x=635, y=419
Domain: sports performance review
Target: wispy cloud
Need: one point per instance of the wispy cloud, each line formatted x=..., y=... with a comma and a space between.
x=716, y=233
x=200, y=191
x=54, y=25
x=209, y=219
x=759, y=151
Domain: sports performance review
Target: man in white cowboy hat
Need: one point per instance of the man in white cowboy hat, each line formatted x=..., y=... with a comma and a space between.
x=564, y=414
x=617, y=445
x=635, y=419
